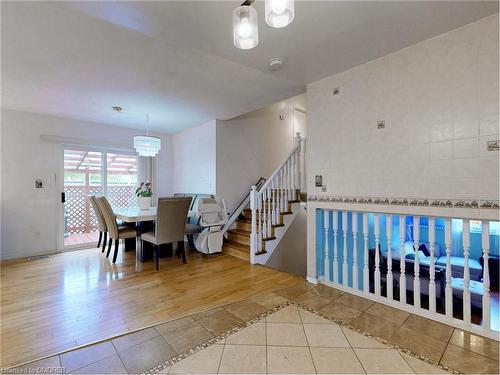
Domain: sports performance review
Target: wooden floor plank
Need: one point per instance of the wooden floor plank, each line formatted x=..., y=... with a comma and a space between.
x=53, y=304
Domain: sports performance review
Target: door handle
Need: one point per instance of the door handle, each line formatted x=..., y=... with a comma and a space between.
x=63, y=197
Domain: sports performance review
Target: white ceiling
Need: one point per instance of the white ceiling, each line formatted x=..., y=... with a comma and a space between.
x=176, y=60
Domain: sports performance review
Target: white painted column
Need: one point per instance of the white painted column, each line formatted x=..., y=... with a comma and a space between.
x=335, y=247
x=486, y=275
x=432, y=268
x=326, y=230
x=402, y=261
x=416, y=269
x=355, y=250
x=466, y=294
x=377, y=255
x=345, y=272
x=388, y=233
x=366, y=272
x=448, y=290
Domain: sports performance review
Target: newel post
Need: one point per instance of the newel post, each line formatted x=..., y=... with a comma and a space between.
x=298, y=177
x=254, y=235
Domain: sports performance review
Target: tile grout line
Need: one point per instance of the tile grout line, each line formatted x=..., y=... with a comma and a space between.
x=119, y=357
x=353, y=350
x=265, y=330
x=307, y=341
x=221, y=355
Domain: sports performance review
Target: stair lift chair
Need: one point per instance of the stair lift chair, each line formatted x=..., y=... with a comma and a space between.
x=213, y=216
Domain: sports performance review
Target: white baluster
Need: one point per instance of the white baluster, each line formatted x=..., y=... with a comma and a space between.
x=261, y=223
x=432, y=268
x=288, y=183
x=377, y=255
x=345, y=272
x=448, y=290
x=335, y=248
x=466, y=294
x=366, y=273
x=269, y=213
x=355, y=250
x=486, y=275
x=297, y=166
x=273, y=202
x=388, y=233
x=416, y=269
x=292, y=175
x=253, y=208
x=263, y=209
x=280, y=197
x=326, y=230
x=402, y=261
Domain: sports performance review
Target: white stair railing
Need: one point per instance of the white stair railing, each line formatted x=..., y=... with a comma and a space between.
x=270, y=201
x=430, y=286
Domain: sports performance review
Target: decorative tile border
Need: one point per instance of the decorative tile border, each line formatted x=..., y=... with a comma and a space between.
x=415, y=202
x=180, y=357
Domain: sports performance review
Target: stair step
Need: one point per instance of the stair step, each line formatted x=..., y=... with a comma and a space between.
x=236, y=250
x=240, y=236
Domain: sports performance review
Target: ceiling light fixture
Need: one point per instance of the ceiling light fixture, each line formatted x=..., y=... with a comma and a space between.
x=245, y=27
x=279, y=13
x=145, y=145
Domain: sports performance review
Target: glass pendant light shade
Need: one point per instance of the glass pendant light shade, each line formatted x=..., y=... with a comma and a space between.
x=245, y=27
x=279, y=13
x=146, y=145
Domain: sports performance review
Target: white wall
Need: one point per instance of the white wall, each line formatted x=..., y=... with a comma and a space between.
x=252, y=146
x=440, y=103
x=25, y=157
x=194, y=165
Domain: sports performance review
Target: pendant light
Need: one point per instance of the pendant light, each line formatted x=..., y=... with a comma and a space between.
x=279, y=13
x=145, y=145
x=245, y=27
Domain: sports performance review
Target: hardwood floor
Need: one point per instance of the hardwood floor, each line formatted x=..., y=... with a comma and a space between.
x=54, y=304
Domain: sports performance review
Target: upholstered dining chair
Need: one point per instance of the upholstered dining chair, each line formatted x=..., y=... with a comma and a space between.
x=169, y=227
x=116, y=233
x=101, y=223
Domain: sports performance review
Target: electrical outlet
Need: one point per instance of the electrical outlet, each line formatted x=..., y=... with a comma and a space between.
x=37, y=235
x=381, y=124
x=336, y=91
x=323, y=189
x=493, y=145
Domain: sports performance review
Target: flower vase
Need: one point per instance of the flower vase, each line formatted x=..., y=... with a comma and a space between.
x=144, y=203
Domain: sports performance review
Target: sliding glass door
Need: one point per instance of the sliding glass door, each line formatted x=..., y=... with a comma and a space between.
x=94, y=172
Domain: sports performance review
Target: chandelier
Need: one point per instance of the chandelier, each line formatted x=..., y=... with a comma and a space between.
x=146, y=145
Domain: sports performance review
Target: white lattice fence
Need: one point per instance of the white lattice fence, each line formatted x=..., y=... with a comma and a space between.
x=121, y=196
x=79, y=215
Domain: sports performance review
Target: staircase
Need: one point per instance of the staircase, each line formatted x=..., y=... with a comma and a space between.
x=261, y=222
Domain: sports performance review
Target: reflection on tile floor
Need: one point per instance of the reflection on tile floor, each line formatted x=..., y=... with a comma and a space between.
x=289, y=339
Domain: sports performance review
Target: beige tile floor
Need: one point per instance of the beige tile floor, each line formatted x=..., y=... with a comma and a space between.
x=296, y=341
x=287, y=341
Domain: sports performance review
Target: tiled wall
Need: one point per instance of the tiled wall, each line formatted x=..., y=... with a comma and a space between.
x=440, y=103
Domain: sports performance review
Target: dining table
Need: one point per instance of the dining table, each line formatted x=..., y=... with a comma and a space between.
x=143, y=220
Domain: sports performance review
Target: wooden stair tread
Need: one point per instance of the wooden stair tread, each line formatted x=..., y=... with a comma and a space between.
x=269, y=238
x=241, y=232
x=237, y=246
